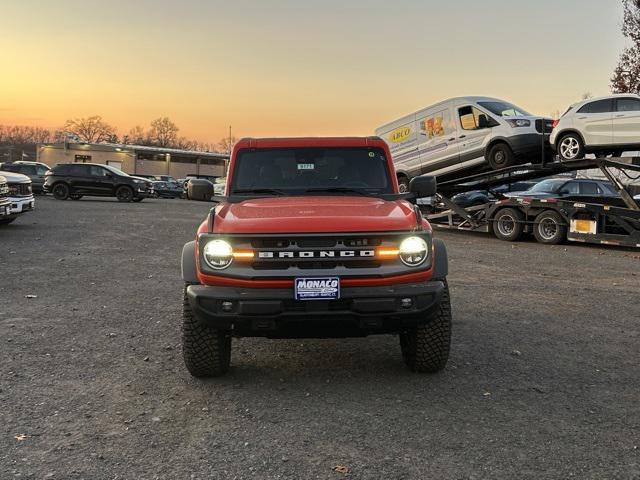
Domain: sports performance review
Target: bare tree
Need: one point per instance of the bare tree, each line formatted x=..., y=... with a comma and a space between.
x=626, y=76
x=226, y=144
x=136, y=136
x=163, y=133
x=91, y=129
x=586, y=96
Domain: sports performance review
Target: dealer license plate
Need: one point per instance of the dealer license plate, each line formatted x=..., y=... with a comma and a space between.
x=317, y=288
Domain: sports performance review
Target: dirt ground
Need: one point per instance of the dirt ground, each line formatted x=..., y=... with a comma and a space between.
x=543, y=380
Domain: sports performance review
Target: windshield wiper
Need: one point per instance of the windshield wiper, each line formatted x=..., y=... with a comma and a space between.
x=272, y=191
x=338, y=190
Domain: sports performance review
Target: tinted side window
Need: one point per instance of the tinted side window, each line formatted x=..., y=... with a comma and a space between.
x=41, y=170
x=77, y=171
x=589, y=188
x=97, y=171
x=28, y=170
x=599, y=106
x=628, y=105
x=570, y=187
x=11, y=168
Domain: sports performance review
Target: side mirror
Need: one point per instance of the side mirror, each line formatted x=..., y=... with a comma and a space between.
x=200, y=189
x=424, y=186
x=483, y=121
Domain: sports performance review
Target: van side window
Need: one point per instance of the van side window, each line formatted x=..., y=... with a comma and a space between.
x=469, y=117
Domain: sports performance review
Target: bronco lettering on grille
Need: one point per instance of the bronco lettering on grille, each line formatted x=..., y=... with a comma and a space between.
x=317, y=254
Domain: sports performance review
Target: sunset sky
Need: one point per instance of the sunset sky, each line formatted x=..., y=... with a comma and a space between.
x=294, y=67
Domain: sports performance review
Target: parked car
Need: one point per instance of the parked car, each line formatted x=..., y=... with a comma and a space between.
x=20, y=195
x=464, y=134
x=36, y=171
x=604, y=126
x=5, y=203
x=480, y=197
x=74, y=180
x=168, y=189
x=587, y=190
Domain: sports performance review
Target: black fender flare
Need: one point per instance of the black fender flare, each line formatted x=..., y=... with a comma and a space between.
x=441, y=262
x=188, y=263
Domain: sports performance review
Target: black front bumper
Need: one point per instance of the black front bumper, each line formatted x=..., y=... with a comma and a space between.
x=274, y=313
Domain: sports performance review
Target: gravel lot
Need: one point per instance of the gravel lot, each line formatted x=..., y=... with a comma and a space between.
x=543, y=381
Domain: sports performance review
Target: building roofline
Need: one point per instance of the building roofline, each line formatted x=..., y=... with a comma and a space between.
x=119, y=147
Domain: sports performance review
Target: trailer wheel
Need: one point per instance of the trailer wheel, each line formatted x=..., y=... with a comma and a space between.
x=500, y=156
x=550, y=228
x=508, y=224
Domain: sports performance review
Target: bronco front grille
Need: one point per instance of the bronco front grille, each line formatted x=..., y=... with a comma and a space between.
x=262, y=256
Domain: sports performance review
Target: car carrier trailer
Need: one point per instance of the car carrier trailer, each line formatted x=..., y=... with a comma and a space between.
x=551, y=221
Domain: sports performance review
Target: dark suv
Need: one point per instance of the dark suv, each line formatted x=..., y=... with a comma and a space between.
x=34, y=170
x=74, y=180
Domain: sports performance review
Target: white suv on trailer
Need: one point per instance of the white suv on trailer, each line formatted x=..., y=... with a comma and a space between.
x=603, y=126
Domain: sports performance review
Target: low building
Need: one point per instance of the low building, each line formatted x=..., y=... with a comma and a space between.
x=136, y=159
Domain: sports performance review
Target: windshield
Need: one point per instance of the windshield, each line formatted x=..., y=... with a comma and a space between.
x=504, y=109
x=295, y=171
x=115, y=170
x=548, y=186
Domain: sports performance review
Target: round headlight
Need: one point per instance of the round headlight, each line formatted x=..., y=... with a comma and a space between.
x=218, y=254
x=413, y=251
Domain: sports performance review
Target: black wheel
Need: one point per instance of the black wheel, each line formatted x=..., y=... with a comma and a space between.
x=570, y=147
x=75, y=197
x=550, y=228
x=425, y=349
x=124, y=194
x=206, y=350
x=7, y=221
x=138, y=199
x=403, y=183
x=501, y=156
x=508, y=224
x=60, y=191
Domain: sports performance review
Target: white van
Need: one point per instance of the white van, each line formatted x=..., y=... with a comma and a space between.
x=463, y=135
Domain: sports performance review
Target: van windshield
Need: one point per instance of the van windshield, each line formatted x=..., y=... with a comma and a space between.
x=298, y=171
x=504, y=109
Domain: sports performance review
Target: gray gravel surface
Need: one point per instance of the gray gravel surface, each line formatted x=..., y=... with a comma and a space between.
x=543, y=380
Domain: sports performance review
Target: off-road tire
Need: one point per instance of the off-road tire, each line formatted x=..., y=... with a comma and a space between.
x=425, y=349
x=508, y=224
x=550, y=228
x=501, y=156
x=206, y=351
x=60, y=191
x=124, y=194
